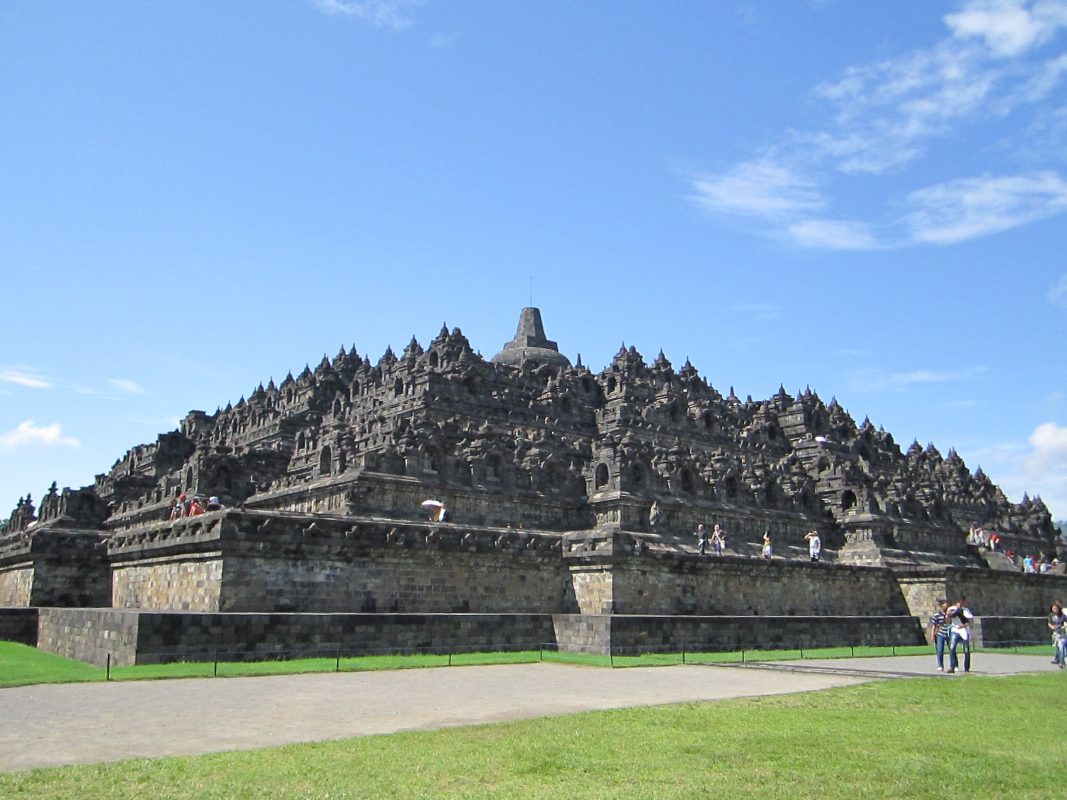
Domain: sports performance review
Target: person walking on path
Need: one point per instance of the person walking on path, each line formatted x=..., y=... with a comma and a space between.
x=814, y=545
x=718, y=540
x=768, y=546
x=1057, y=623
x=702, y=534
x=960, y=632
x=940, y=627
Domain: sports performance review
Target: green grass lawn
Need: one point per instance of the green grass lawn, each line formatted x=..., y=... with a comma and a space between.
x=21, y=665
x=984, y=737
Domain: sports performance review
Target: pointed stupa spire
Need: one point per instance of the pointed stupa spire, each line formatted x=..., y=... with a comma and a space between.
x=531, y=344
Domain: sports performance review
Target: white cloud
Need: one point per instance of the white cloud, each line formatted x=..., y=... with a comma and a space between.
x=1008, y=27
x=383, y=13
x=28, y=433
x=30, y=378
x=1057, y=294
x=884, y=115
x=126, y=385
x=1037, y=467
x=758, y=188
x=834, y=234
x=871, y=380
x=759, y=311
x=971, y=207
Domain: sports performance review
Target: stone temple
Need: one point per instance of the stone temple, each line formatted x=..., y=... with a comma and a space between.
x=572, y=498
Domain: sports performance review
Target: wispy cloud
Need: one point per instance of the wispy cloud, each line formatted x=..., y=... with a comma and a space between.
x=759, y=311
x=1057, y=294
x=1008, y=27
x=761, y=188
x=126, y=385
x=23, y=376
x=29, y=434
x=383, y=13
x=1037, y=466
x=884, y=115
x=971, y=207
x=872, y=380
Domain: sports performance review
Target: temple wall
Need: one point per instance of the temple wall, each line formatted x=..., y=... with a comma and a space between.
x=180, y=583
x=400, y=496
x=89, y=634
x=745, y=586
x=593, y=589
x=770, y=632
x=19, y=625
x=989, y=593
x=149, y=637
x=16, y=586
x=398, y=580
x=1004, y=594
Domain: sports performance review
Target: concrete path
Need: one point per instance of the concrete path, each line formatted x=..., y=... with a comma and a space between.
x=59, y=724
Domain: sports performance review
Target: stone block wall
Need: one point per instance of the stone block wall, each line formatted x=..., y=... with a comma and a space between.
x=53, y=567
x=19, y=625
x=89, y=634
x=990, y=593
x=1010, y=631
x=256, y=562
x=627, y=633
x=188, y=583
x=16, y=585
x=690, y=585
x=151, y=637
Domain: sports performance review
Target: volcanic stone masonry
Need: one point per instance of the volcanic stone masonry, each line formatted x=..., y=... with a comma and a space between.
x=549, y=473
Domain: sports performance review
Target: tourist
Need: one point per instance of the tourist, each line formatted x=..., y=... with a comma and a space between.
x=768, y=546
x=179, y=506
x=960, y=633
x=718, y=540
x=940, y=627
x=654, y=515
x=814, y=545
x=196, y=508
x=213, y=503
x=702, y=534
x=442, y=514
x=994, y=541
x=1028, y=564
x=1057, y=623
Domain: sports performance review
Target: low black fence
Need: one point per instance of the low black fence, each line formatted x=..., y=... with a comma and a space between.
x=348, y=658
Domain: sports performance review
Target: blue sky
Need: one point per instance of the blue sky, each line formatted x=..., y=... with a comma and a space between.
x=869, y=199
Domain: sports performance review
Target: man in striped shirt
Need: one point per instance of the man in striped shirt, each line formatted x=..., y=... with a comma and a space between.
x=940, y=627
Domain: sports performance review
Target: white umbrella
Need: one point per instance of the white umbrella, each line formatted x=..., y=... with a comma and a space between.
x=431, y=505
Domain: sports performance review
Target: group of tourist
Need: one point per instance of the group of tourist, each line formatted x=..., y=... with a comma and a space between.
x=1041, y=565
x=717, y=539
x=950, y=628
x=982, y=538
x=192, y=506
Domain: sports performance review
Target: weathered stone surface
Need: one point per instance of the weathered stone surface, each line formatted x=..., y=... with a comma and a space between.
x=570, y=494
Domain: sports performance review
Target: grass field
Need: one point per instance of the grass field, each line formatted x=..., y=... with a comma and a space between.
x=21, y=665
x=985, y=737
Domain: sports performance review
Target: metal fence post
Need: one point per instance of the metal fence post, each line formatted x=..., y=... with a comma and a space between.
x=450, y=655
x=216, y=660
x=338, y=665
x=109, y=666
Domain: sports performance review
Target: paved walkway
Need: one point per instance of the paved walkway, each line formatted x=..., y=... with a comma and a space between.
x=58, y=724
